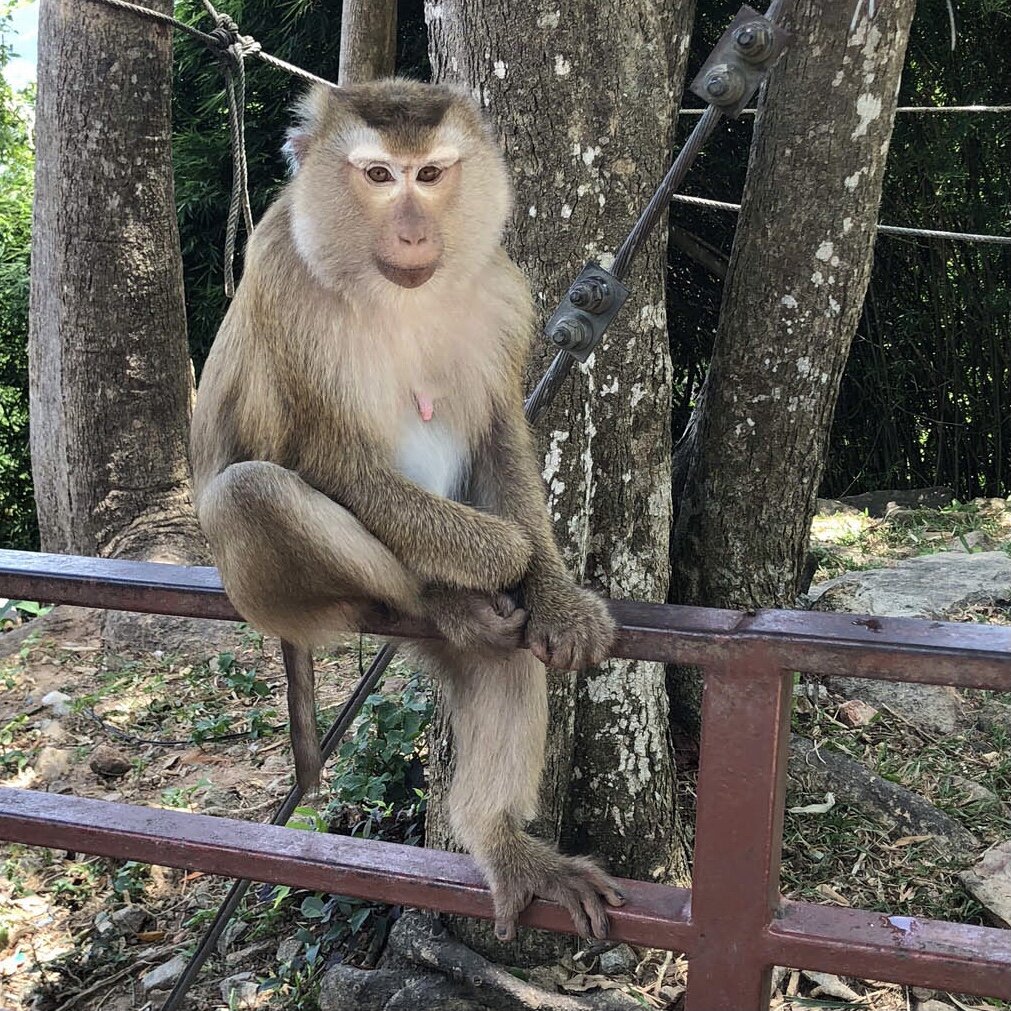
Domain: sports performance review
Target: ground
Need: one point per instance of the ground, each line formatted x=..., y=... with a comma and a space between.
x=80, y=933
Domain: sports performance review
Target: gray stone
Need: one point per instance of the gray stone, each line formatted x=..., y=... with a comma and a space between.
x=130, y=919
x=930, y=586
x=52, y=763
x=990, y=882
x=240, y=990
x=933, y=1005
x=974, y=791
x=927, y=587
x=879, y=503
x=620, y=959
x=163, y=976
x=57, y=702
x=288, y=949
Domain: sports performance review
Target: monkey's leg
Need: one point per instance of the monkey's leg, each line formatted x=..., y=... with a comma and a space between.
x=294, y=563
x=297, y=565
x=498, y=709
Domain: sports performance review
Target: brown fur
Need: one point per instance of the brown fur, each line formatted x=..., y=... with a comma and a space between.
x=307, y=419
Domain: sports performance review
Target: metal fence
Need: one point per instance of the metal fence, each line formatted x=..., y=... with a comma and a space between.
x=732, y=924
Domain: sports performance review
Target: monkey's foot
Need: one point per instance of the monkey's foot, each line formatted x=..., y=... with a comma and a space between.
x=531, y=868
x=475, y=622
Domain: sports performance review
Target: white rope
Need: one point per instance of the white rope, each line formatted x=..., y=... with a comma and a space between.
x=901, y=108
x=922, y=233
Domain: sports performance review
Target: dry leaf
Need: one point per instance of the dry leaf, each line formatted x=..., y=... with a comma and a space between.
x=908, y=840
x=816, y=808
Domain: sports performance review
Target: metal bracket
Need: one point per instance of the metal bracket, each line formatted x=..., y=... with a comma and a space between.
x=592, y=301
x=741, y=61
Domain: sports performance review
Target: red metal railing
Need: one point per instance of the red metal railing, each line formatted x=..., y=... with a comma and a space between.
x=733, y=925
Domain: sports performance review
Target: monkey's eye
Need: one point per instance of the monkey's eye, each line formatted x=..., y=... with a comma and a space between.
x=429, y=174
x=379, y=174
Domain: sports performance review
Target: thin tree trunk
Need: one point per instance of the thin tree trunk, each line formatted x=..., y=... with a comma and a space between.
x=752, y=459
x=584, y=97
x=110, y=376
x=368, y=40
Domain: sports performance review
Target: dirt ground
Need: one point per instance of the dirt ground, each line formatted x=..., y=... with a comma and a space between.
x=206, y=734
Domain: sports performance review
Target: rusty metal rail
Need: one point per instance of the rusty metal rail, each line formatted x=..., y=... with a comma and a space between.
x=733, y=925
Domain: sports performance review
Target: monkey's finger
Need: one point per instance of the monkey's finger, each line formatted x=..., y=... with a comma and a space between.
x=569, y=896
x=505, y=929
x=604, y=884
x=504, y=604
x=594, y=908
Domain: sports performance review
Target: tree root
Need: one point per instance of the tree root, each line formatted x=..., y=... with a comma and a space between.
x=424, y=966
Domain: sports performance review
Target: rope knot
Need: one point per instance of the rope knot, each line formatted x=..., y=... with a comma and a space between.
x=230, y=43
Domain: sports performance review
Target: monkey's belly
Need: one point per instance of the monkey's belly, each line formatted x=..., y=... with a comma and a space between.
x=432, y=455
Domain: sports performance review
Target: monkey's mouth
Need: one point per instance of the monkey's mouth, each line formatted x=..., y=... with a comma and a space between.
x=406, y=277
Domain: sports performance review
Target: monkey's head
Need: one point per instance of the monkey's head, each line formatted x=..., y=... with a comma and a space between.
x=395, y=182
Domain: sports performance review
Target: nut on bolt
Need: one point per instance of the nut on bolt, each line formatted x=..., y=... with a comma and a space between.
x=570, y=334
x=755, y=41
x=725, y=84
x=591, y=295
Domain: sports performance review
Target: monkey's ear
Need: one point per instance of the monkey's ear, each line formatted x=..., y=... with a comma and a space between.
x=312, y=111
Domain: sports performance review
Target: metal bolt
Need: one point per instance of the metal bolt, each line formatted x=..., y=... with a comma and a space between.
x=755, y=41
x=725, y=84
x=592, y=295
x=570, y=334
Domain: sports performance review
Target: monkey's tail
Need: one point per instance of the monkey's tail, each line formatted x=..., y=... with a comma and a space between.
x=302, y=715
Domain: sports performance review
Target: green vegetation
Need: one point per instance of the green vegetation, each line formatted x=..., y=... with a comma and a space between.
x=17, y=510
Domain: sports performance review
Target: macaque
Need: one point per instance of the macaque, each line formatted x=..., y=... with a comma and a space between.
x=359, y=442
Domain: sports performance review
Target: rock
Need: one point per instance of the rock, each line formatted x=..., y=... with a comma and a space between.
x=52, y=730
x=834, y=506
x=288, y=949
x=830, y=986
x=57, y=702
x=239, y=991
x=856, y=713
x=130, y=919
x=927, y=587
x=103, y=924
x=933, y=1005
x=990, y=882
x=163, y=976
x=821, y=770
x=620, y=959
x=974, y=791
x=930, y=586
x=52, y=763
x=878, y=503
x=968, y=541
x=922, y=993
x=109, y=761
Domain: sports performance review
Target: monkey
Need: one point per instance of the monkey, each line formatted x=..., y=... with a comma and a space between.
x=358, y=442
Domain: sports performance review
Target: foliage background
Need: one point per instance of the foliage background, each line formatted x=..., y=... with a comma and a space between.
x=925, y=399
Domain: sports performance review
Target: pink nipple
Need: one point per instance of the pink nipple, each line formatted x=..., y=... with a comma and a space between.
x=425, y=406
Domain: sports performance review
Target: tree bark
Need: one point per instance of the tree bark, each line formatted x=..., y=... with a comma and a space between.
x=110, y=377
x=749, y=466
x=584, y=97
x=368, y=40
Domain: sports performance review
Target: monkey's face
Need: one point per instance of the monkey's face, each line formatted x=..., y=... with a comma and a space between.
x=406, y=198
x=398, y=185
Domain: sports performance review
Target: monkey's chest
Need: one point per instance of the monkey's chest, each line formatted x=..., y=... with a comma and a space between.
x=432, y=455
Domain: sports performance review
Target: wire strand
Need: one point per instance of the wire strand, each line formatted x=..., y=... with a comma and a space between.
x=922, y=233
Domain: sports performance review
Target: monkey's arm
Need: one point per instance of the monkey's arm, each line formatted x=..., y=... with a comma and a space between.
x=442, y=541
x=568, y=627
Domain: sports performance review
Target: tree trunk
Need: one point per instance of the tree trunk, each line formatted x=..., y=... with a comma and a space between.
x=368, y=40
x=749, y=467
x=110, y=376
x=584, y=97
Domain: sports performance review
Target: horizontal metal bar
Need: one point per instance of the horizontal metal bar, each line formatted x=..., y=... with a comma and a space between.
x=655, y=915
x=956, y=957
x=898, y=649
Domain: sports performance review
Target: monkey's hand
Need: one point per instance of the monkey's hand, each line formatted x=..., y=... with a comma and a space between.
x=569, y=628
x=476, y=622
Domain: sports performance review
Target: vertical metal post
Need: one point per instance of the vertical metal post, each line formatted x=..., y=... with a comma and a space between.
x=738, y=834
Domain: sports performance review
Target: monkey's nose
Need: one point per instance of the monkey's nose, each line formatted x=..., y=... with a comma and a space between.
x=413, y=239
